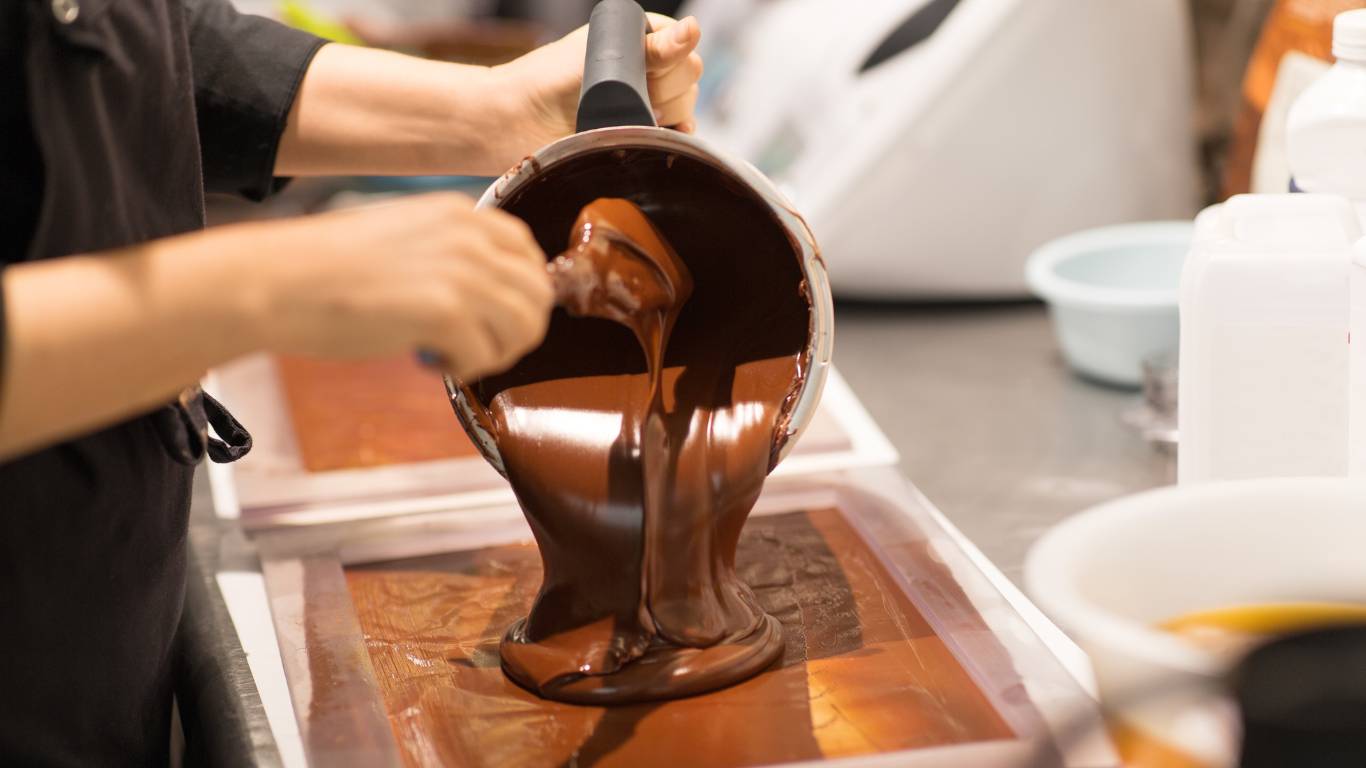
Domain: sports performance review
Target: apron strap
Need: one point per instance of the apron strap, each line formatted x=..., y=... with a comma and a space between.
x=183, y=427
x=233, y=441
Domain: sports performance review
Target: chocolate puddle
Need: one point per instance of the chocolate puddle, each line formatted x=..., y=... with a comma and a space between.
x=864, y=671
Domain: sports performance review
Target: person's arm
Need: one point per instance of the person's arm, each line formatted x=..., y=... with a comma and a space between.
x=365, y=111
x=275, y=102
x=246, y=73
x=90, y=340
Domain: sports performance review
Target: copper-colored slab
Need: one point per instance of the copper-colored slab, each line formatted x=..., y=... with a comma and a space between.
x=370, y=413
x=863, y=671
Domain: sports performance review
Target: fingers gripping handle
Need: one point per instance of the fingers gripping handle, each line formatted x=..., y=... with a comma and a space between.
x=614, y=90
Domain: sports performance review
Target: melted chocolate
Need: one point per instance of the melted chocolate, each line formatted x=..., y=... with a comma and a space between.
x=619, y=268
x=637, y=456
x=864, y=672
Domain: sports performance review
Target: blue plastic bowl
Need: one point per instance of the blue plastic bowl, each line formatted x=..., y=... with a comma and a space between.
x=1112, y=293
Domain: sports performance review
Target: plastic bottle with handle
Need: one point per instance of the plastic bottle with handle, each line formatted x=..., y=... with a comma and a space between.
x=1264, y=359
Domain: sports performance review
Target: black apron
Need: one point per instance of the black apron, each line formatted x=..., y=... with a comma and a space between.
x=98, y=112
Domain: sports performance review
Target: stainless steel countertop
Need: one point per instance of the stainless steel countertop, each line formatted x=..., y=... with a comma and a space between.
x=990, y=423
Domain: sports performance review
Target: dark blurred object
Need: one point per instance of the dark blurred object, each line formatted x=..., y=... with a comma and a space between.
x=1303, y=701
x=1293, y=25
x=1225, y=32
x=561, y=16
x=916, y=29
x=484, y=41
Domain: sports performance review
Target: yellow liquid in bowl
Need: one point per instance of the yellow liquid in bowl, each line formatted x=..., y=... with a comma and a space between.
x=1236, y=629
x=1233, y=630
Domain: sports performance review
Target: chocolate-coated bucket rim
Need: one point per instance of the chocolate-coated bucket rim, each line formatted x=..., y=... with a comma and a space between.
x=820, y=336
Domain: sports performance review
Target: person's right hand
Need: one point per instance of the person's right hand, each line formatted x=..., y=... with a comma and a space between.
x=426, y=272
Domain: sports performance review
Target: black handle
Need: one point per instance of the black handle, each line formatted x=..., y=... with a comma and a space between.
x=614, y=91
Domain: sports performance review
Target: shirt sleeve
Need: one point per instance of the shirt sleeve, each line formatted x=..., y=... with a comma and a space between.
x=247, y=70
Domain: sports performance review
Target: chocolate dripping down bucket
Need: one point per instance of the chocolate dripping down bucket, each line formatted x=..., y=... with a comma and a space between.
x=615, y=118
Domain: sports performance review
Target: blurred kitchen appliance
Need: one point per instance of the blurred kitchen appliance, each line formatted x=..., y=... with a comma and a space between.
x=934, y=143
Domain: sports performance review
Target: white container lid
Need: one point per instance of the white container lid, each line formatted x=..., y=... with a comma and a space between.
x=1349, y=35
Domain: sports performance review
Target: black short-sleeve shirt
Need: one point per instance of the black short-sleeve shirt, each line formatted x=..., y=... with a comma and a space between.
x=115, y=117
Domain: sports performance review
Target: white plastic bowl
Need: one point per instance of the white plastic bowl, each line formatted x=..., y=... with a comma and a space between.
x=1112, y=293
x=1108, y=575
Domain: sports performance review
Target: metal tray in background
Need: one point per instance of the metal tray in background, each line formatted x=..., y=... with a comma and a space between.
x=271, y=487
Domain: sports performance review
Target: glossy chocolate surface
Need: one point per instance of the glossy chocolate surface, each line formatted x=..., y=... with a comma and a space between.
x=618, y=267
x=638, y=436
x=861, y=672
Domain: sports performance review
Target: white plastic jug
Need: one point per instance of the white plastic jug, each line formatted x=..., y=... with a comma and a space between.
x=1264, y=339
x=1356, y=396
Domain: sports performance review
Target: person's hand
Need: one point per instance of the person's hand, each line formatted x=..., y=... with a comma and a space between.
x=546, y=83
x=426, y=272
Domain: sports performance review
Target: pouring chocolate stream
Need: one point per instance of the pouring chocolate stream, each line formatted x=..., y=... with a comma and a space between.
x=618, y=268
x=636, y=488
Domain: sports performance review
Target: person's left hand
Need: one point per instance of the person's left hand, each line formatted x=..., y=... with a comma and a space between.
x=546, y=83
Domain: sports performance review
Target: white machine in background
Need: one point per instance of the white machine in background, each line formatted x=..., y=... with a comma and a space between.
x=932, y=144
